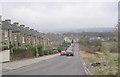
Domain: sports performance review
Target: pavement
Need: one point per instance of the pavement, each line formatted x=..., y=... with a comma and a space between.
x=21, y=63
x=52, y=65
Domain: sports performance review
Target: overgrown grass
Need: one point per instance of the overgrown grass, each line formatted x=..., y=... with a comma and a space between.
x=107, y=47
x=111, y=62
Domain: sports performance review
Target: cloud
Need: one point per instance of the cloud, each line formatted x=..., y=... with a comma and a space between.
x=50, y=16
x=59, y=0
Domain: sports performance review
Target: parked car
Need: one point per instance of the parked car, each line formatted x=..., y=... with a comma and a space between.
x=63, y=53
x=70, y=53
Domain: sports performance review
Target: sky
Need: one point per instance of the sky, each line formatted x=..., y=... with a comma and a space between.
x=60, y=16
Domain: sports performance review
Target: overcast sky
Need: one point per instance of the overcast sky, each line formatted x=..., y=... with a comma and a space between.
x=57, y=16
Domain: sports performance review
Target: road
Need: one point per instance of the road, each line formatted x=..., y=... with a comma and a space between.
x=59, y=65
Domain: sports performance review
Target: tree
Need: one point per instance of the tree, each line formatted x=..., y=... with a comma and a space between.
x=72, y=41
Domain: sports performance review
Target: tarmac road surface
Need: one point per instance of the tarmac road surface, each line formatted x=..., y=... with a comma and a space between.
x=59, y=65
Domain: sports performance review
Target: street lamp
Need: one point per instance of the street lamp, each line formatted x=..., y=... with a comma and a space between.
x=43, y=42
x=37, y=54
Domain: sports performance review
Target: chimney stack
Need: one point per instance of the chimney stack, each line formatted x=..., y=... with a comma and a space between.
x=8, y=20
x=31, y=29
x=22, y=26
x=36, y=31
x=16, y=23
x=27, y=27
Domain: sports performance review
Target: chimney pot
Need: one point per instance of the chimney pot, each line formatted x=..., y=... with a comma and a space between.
x=22, y=25
x=27, y=27
x=31, y=29
x=16, y=23
x=8, y=20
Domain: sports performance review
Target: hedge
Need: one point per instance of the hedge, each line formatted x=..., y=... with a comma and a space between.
x=19, y=50
x=40, y=50
x=46, y=52
x=5, y=47
x=63, y=47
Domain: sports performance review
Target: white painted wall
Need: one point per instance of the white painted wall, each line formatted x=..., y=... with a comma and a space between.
x=4, y=55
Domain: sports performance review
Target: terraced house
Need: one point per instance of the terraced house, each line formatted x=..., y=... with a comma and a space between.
x=32, y=37
x=6, y=33
x=0, y=33
x=15, y=34
x=18, y=36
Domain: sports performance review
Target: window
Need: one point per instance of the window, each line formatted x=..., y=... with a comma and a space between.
x=6, y=35
x=34, y=41
x=15, y=36
x=23, y=39
x=29, y=39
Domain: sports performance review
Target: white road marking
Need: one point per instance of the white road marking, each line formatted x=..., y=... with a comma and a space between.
x=86, y=69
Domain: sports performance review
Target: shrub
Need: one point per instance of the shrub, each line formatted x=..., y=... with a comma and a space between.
x=32, y=49
x=5, y=47
x=55, y=51
x=64, y=46
x=10, y=46
x=40, y=50
x=46, y=52
x=114, y=48
x=109, y=47
x=50, y=52
x=19, y=50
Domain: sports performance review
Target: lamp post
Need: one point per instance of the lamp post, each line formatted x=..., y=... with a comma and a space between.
x=37, y=54
x=43, y=42
x=8, y=38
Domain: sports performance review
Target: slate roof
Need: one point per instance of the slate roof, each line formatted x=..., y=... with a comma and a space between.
x=6, y=25
x=40, y=34
x=15, y=28
x=33, y=33
x=22, y=30
x=27, y=31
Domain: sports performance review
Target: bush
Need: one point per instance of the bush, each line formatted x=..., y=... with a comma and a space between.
x=32, y=49
x=40, y=50
x=64, y=46
x=87, y=42
x=50, y=52
x=19, y=50
x=109, y=47
x=59, y=50
x=55, y=51
x=10, y=46
x=4, y=47
x=46, y=52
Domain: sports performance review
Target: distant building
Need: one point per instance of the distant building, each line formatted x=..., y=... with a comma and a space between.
x=68, y=39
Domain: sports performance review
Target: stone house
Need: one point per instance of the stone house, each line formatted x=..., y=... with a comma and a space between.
x=21, y=36
x=15, y=34
x=32, y=37
x=6, y=33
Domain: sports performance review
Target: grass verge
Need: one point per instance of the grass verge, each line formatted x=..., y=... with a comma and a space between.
x=108, y=63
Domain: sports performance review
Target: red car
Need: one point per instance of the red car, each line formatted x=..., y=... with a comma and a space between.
x=63, y=53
